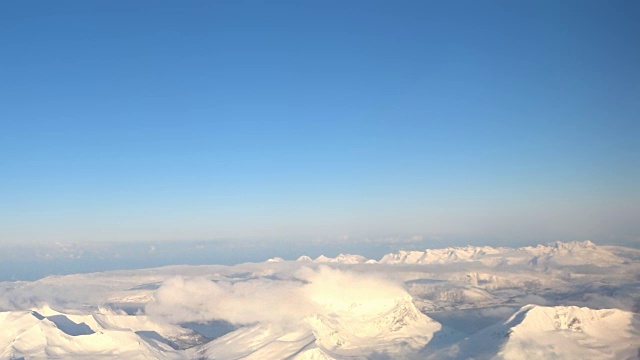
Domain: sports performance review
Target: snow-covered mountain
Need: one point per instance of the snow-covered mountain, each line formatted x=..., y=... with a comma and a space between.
x=391, y=326
x=440, y=256
x=566, y=253
x=560, y=332
x=468, y=302
x=396, y=329
x=555, y=253
x=341, y=258
x=571, y=253
x=51, y=334
x=398, y=332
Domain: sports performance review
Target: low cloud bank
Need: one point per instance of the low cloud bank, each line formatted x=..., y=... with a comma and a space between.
x=321, y=291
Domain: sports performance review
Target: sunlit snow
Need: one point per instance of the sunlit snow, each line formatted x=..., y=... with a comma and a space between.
x=572, y=300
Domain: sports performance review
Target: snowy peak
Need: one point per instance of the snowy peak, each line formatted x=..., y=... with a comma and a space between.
x=563, y=253
x=441, y=256
x=395, y=327
x=571, y=318
x=556, y=332
x=52, y=334
x=29, y=334
x=393, y=330
x=573, y=332
x=559, y=252
x=571, y=253
x=342, y=259
x=560, y=247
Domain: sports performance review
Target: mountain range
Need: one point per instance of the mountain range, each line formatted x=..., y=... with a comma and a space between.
x=572, y=300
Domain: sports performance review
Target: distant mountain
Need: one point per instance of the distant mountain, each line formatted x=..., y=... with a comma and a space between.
x=556, y=253
x=564, y=253
x=304, y=258
x=441, y=256
x=342, y=259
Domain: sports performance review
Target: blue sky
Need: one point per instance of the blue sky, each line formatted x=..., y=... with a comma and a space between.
x=474, y=121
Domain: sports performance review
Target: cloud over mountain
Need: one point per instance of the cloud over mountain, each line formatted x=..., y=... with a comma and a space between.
x=313, y=291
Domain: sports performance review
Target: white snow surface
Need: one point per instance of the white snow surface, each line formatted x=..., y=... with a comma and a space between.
x=560, y=332
x=341, y=258
x=572, y=300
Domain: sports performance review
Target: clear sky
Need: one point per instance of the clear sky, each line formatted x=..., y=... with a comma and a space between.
x=475, y=121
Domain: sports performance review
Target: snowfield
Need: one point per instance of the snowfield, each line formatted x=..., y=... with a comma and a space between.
x=572, y=300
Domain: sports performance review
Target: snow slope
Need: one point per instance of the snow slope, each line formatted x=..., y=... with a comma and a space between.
x=396, y=329
x=29, y=334
x=561, y=332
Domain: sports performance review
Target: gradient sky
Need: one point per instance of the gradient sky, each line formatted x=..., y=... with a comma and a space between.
x=476, y=121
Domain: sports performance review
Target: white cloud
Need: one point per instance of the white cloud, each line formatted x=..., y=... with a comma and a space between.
x=322, y=291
